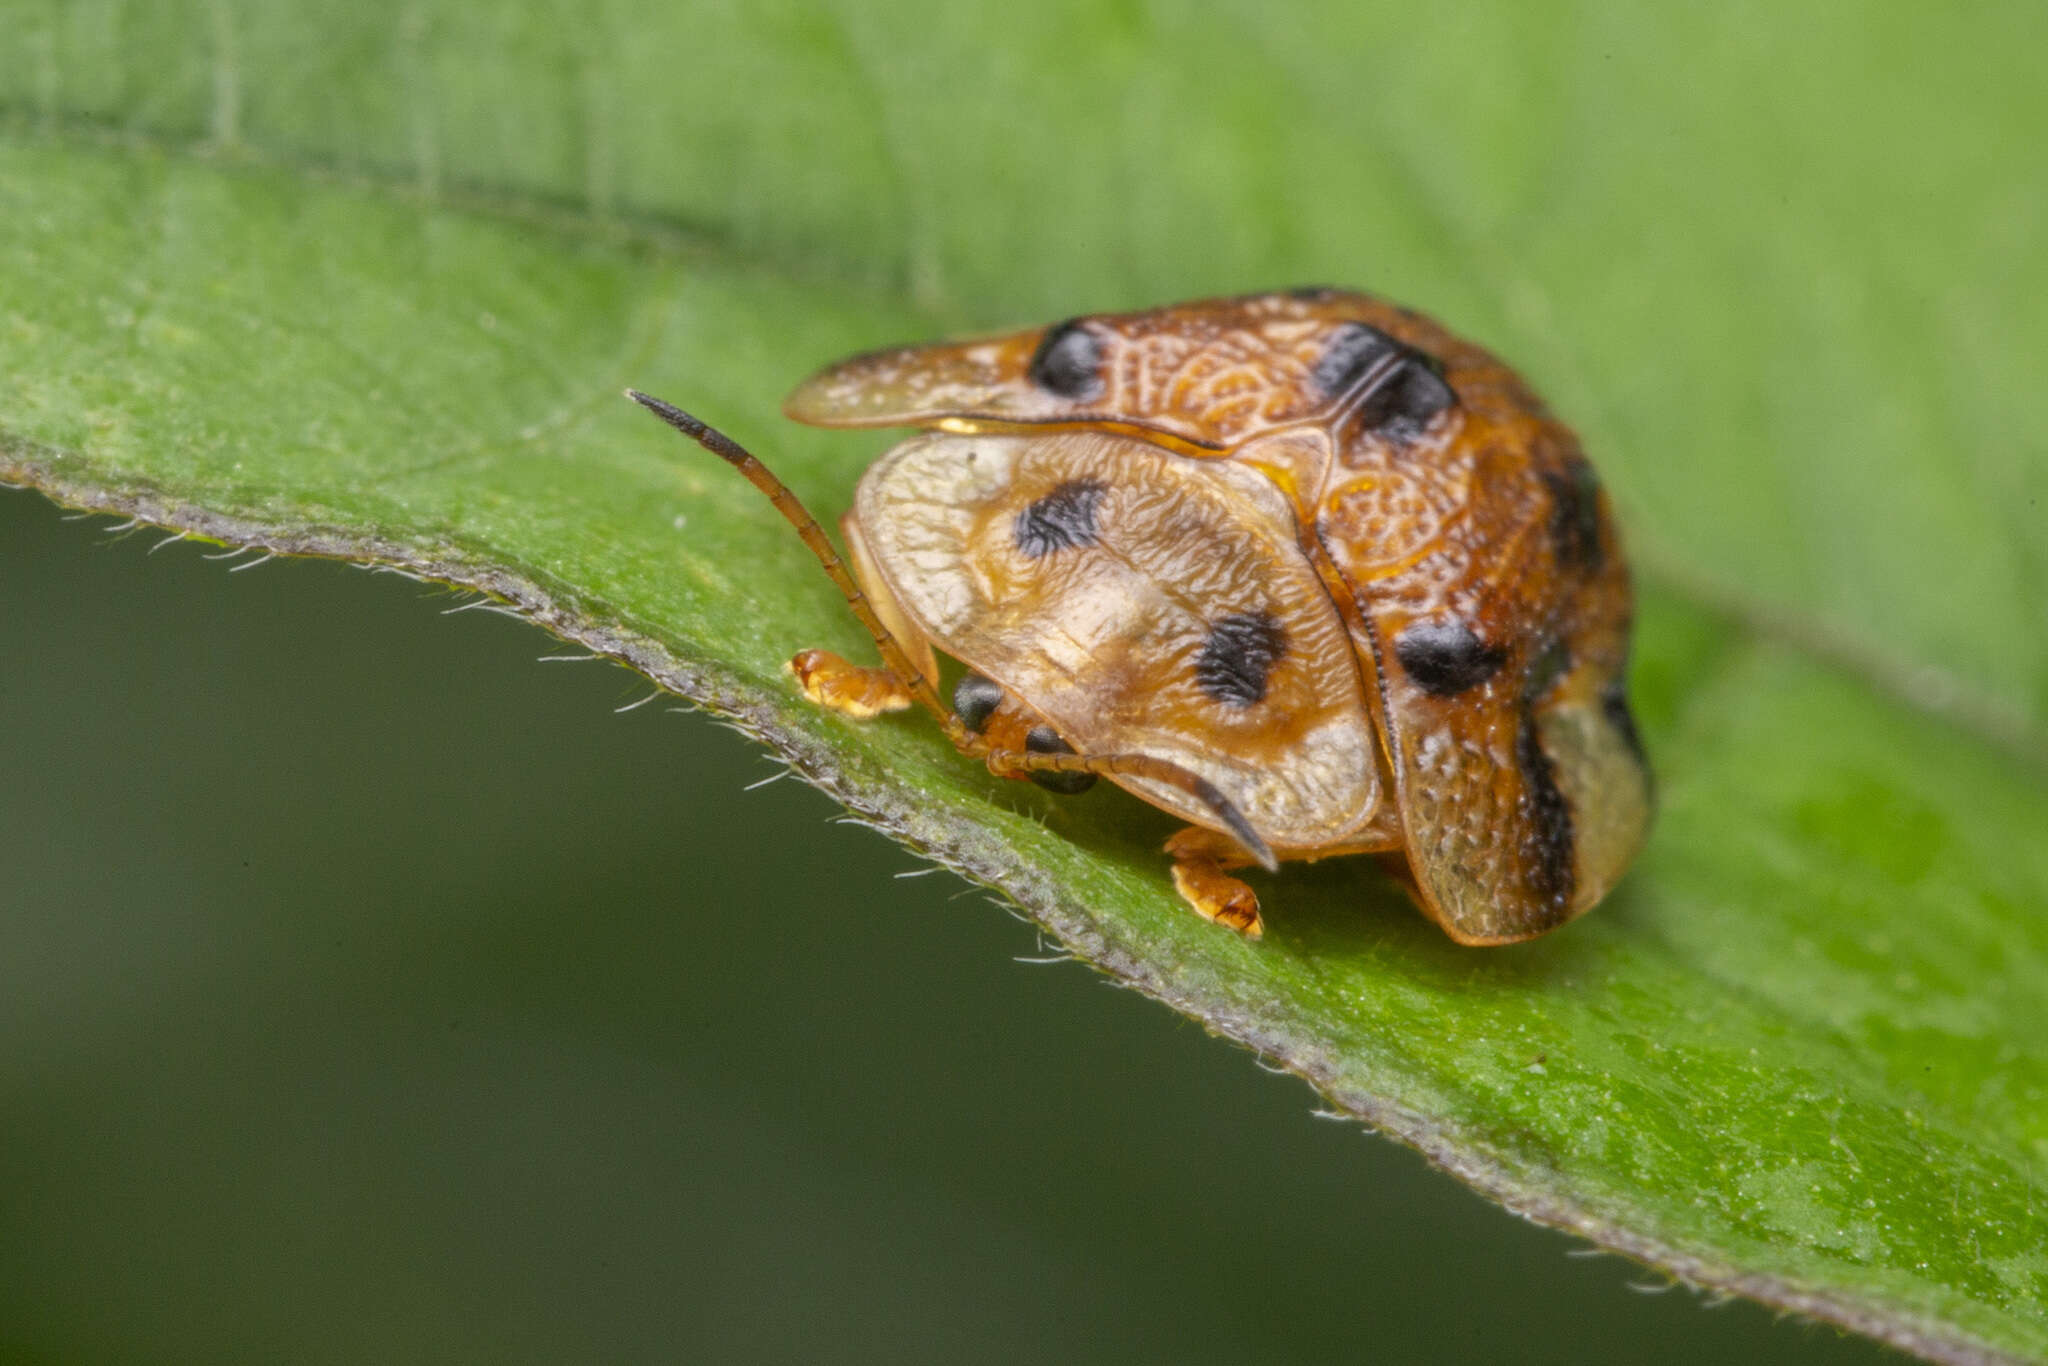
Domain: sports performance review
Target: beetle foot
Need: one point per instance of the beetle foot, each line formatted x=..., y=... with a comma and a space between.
x=1219, y=897
x=846, y=688
x=1199, y=858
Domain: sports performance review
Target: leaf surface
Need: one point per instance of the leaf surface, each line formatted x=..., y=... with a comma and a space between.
x=368, y=284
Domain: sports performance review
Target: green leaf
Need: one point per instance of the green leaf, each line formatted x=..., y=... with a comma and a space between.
x=367, y=283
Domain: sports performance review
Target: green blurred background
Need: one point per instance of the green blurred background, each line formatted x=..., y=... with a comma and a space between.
x=359, y=1007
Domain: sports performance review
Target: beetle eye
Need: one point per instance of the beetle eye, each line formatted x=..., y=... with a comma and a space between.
x=1045, y=740
x=976, y=699
x=1069, y=362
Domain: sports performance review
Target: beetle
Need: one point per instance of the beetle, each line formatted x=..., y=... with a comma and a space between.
x=1303, y=569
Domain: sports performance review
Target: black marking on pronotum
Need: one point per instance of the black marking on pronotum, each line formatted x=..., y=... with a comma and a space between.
x=1045, y=740
x=1062, y=520
x=975, y=699
x=1352, y=350
x=1068, y=362
x=1447, y=657
x=1614, y=706
x=1575, y=515
x=1238, y=658
x=1408, y=395
x=1547, y=849
x=1415, y=396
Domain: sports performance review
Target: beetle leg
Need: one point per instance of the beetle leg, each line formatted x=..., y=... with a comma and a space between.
x=1203, y=858
x=837, y=685
x=1199, y=859
x=908, y=670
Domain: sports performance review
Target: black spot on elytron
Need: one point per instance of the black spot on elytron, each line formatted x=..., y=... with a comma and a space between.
x=1045, y=740
x=1062, y=520
x=1405, y=398
x=1614, y=706
x=1352, y=350
x=1547, y=848
x=1575, y=516
x=1068, y=362
x=975, y=699
x=1314, y=294
x=1238, y=658
x=1445, y=658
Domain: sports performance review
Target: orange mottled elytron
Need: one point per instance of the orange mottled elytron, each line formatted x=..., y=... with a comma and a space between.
x=1304, y=569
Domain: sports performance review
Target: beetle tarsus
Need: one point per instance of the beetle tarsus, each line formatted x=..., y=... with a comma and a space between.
x=1217, y=896
x=837, y=684
x=895, y=661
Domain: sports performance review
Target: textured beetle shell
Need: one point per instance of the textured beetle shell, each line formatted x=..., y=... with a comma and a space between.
x=1103, y=635
x=1459, y=532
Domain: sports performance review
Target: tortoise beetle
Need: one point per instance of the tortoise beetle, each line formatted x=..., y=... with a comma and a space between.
x=1303, y=569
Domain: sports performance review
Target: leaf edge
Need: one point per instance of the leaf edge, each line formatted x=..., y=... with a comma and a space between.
x=989, y=863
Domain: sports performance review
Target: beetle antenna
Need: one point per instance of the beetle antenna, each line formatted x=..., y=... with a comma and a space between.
x=725, y=448
x=898, y=662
